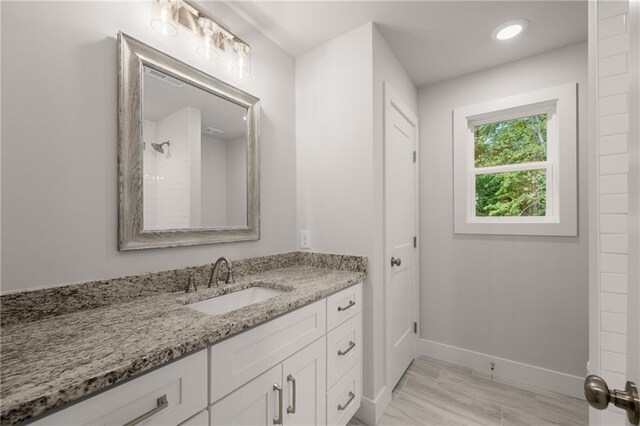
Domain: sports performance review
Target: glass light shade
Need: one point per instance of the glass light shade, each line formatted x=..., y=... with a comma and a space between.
x=210, y=40
x=163, y=17
x=241, y=64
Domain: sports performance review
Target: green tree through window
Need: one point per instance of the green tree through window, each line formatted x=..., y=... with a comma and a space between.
x=512, y=193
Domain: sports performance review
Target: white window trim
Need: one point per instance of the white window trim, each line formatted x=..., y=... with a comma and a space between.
x=561, y=219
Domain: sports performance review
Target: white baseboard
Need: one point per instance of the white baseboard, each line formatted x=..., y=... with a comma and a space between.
x=555, y=381
x=371, y=410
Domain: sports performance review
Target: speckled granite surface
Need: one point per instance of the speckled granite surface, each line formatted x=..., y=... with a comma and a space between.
x=61, y=354
x=26, y=306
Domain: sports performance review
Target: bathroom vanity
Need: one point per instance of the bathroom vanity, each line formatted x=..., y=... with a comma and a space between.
x=280, y=345
x=292, y=358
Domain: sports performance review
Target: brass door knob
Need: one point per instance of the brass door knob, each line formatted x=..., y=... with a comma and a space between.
x=396, y=262
x=599, y=396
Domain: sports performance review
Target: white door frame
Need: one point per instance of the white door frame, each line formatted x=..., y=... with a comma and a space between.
x=392, y=99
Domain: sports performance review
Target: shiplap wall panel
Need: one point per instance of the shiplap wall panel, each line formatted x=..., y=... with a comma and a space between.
x=613, y=199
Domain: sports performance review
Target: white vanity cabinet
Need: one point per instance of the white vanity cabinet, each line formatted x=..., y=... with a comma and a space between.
x=344, y=355
x=313, y=358
x=291, y=393
x=302, y=368
x=239, y=359
x=166, y=396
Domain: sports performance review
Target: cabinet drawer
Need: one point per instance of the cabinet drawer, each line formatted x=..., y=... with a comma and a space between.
x=343, y=305
x=238, y=360
x=200, y=419
x=344, y=348
x=343, y=399
x=182, y=384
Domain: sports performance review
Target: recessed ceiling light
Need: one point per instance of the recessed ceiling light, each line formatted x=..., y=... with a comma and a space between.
x=510, y=29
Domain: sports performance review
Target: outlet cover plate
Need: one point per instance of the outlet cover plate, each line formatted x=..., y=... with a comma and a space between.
x=305, y=239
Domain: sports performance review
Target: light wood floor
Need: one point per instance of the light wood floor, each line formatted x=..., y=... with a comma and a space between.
x=436, y=393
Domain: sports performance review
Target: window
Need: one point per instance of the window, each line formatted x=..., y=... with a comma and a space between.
x=515, y=164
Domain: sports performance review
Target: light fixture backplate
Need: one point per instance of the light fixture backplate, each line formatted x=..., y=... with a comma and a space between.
x=188, y=16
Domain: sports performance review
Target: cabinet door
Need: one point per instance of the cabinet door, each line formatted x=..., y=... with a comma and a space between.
x=255, y=403
x=200, y=419
x=304, y=378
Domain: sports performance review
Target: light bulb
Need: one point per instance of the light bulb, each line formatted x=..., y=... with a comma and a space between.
x=510, y=29
x=509, y=32
x=211, y=41
x=240, y=64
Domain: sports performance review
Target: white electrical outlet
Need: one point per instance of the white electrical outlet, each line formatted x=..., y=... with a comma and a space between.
x=305, y=239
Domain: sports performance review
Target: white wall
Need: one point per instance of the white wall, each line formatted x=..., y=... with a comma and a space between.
x=339, y=115
x=214, y=182
x=334, y=136
x=333, y=141
x=224, y=182
x=150, y=175
x=59, y=138
x=194, y=167
x=386, y=68
x=237, y=182
x=520, y=298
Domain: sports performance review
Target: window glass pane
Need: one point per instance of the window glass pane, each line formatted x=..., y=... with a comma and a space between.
x=520, y=193
x=522, y=140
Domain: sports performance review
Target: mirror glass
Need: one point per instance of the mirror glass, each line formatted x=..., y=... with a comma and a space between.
x=194, y=157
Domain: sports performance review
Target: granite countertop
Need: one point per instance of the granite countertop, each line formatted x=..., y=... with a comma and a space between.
x=58, y=359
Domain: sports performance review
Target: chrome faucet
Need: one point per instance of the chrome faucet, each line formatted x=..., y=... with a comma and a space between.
x=215, y=271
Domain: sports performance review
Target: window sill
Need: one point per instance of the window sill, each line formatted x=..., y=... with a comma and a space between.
x=566, y=229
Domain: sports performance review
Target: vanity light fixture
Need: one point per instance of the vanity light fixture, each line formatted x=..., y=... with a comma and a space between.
x=211, y=42
x=164, y=16
x=510, y=29
x=212, y=37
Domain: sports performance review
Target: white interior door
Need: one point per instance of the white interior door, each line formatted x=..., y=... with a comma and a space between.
x=615, y=271
x=400, y=171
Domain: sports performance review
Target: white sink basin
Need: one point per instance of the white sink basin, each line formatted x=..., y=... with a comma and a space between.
x=228, y=302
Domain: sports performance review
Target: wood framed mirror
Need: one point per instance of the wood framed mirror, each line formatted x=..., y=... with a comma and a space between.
x=188, y=154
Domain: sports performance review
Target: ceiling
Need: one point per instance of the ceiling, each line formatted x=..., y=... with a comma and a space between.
x=434, y=40
x=162, y=99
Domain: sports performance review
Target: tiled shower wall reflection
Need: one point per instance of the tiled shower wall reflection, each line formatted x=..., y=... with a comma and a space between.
x=171, y=182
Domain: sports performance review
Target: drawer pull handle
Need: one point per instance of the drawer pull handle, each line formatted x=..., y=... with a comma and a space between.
x=352, y=345
x=292, y=408
x=349, y=401
x=344, y=308
x=162, y=403
x=278, y=420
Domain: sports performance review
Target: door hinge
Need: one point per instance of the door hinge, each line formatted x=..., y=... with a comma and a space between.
x=415, y=242
x=415, y=327
x=414, y=156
